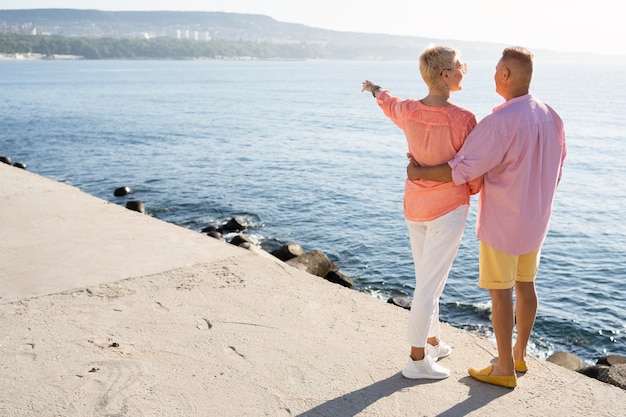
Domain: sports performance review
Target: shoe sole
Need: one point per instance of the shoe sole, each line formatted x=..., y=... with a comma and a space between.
x=422, y=376
x=440, y=357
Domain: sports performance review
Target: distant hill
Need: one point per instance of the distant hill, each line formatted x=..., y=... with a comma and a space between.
x=285, y=40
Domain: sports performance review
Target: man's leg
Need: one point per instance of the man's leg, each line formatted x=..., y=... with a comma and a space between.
x=497, y=273
x=525, y=314
x=503, y=321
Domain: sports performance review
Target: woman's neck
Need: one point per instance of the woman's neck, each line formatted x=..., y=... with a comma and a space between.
x=437, y=99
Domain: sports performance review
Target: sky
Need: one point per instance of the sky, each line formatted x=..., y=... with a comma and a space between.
x=560, y=25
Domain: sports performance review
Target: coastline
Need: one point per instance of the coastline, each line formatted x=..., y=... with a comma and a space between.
x=108, y=311
x=35, y=57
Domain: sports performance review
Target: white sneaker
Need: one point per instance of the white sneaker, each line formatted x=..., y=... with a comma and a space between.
x=424, y=369
x=438, y=351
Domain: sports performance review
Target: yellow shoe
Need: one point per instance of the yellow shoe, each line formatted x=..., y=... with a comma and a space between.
x=484, y=375
x=520, y=366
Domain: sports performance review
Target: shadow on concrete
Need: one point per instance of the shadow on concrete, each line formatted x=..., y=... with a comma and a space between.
x=480, y=395
x=351, y=404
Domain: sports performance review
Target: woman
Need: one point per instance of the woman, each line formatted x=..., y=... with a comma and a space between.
x=435, y=212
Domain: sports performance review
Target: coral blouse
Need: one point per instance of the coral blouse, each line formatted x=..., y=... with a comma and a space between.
x=434, y=136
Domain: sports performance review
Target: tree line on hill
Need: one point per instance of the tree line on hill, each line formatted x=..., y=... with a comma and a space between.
x=170, y=48
x=163, y=48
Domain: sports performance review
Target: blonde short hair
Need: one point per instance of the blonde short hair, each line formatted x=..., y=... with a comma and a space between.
x=434, y=60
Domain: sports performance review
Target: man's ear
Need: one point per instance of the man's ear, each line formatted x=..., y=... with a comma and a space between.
x=506, y=73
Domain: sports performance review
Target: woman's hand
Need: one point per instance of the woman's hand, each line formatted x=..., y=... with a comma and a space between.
x=367, y=86
x=370, y=87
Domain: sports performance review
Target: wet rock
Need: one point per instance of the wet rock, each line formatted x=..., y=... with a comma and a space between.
x=617, y=375
x=288, y=251
x=236, y=224
x=611, y=360
x=401, y=301
x=598, y=372
x=337, y=277
x=136, y=206
x=210, y=228
x=240, y=239
x=610, y=369
x=314, y=262
x=216, y=235
x=566, y=360
x=122, y=191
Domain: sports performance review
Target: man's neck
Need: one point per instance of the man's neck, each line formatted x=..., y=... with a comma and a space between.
x=516, y=93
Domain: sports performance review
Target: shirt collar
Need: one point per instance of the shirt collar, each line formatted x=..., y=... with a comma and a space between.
x=511, y=101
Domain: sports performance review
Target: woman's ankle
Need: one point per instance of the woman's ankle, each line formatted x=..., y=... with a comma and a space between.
x=433, y=341
x=417, y=354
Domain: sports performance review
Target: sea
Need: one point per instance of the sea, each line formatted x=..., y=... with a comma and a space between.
x=298, y=151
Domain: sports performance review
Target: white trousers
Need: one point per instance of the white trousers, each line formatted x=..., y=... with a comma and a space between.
x=434, y=245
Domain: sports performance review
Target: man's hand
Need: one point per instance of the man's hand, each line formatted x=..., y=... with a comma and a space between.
x=413, y=168
x=440, y=173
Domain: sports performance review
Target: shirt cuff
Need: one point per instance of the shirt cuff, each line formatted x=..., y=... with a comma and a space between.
x=457, y=176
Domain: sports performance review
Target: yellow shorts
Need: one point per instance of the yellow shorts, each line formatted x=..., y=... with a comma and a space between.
x=499, y=270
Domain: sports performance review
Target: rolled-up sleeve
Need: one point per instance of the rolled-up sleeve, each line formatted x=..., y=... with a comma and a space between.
x=472, y=161
x=458, y=176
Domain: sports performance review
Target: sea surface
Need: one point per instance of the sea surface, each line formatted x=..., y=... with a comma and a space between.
x=297, y=150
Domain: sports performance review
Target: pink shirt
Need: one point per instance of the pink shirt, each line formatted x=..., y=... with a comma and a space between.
x=519, y=150
x=434, y=136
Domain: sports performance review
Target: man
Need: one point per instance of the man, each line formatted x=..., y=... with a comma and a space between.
x=519, y=150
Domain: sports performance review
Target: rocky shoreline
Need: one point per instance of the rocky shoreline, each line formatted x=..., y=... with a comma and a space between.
x=610, y=369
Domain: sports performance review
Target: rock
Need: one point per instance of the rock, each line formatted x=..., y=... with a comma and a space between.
x=598, y=372
x=136, y=206
x=401, y=301
x=610, y=369
x=239, y=240
x=236, y=224
x=288, y=251
x=19, y=165
x=210, y=228
x=617, y=375
x=5, y=160
x=216, y=235
x=314, y=262
x=566, y=360
x=339, y=278
x=122, y=191
x=611, y=360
